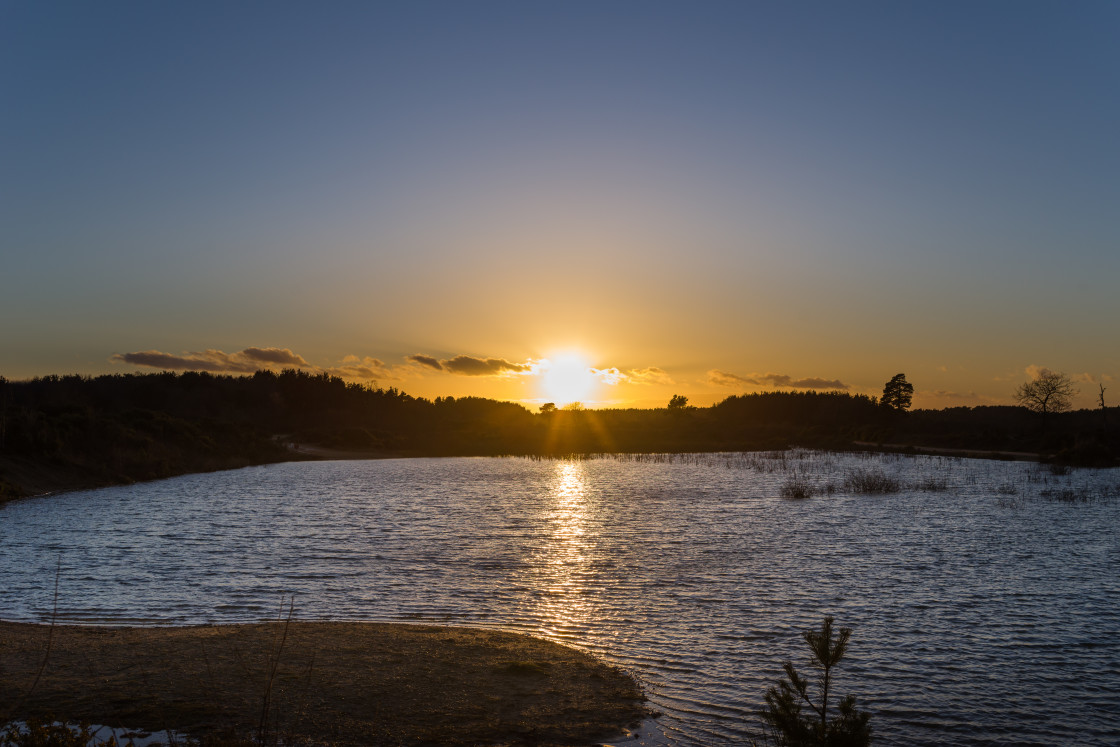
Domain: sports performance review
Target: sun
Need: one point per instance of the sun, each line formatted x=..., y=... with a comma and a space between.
x=566, y=378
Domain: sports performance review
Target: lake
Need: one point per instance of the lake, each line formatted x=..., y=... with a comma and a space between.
x=984, y=596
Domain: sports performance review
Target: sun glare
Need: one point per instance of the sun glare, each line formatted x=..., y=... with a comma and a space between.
x=567, y=378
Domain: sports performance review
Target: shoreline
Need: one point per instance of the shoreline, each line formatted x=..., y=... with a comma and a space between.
x=38, y=480
x=342, y=683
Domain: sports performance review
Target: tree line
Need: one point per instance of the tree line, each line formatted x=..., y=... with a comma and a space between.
x=118, y=428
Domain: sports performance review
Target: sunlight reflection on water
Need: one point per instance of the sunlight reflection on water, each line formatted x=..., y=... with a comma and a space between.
x=984, y=604
x=561, y=560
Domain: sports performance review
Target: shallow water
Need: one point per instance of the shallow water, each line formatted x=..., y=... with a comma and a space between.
x=984, y=596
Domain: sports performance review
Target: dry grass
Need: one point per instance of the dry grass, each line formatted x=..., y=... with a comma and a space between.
x=326, y=683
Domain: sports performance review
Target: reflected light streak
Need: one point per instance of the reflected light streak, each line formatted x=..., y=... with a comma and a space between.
x=564, y=559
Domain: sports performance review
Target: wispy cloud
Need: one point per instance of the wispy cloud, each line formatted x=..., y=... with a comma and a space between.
x=363, y=369
x=725, y=378
x=648, y=375
x=610, y=376
x=1036, y=372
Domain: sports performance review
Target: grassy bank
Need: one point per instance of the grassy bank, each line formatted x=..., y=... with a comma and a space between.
x=318, y=682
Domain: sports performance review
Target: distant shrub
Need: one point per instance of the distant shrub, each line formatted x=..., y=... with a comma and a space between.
x=796, y=488
x=933, y=484
x=871, y=481
x=1068, y=495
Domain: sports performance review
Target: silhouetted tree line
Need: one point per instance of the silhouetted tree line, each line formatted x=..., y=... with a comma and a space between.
x=119, y=428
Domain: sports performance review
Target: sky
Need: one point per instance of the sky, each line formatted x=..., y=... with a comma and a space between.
x=611, y=202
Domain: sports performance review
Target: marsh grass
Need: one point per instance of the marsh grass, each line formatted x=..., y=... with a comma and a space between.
x=871, y=481
x=1066, y=495
x=931, y=484
x=796, y=487
x=1080, y=494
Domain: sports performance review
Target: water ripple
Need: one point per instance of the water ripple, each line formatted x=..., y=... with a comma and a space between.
x=984, y=613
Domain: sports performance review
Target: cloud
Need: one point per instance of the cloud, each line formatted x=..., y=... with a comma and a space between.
x=1084, y=378
x=649, y=375
x=610, y=376
x=426, y=360
x=363, y=369
x=815, y=383
x=466, y=365
x=213, y=361
x=279, y=356
x=251, y=360
x=723, y=378
x=1037, y=372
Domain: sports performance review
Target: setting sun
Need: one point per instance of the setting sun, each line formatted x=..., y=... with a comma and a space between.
x=566, y=378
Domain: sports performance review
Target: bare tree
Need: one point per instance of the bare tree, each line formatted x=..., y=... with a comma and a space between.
x=1049, y=392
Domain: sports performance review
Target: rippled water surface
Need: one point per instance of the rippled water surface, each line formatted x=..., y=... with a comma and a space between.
x=984, y=596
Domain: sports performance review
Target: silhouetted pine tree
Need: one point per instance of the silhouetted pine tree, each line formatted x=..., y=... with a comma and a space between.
x=787, y=724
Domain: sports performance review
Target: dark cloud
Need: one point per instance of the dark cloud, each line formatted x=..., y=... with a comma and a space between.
x=469, y=366
x=426, y=360
x=279, y=356
x=813, y=383
x=214, y=361
x=168, y=362
x=254, y=359
x=723, y=378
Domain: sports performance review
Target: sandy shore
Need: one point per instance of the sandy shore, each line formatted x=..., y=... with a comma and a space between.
x=325, y=683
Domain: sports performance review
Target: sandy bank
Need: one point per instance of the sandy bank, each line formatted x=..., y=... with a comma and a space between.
x=334, y=683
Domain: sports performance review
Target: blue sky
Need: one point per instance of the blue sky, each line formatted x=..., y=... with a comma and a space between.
x=817, y=191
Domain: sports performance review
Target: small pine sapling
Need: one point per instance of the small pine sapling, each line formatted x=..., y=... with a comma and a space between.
x=789, y=726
